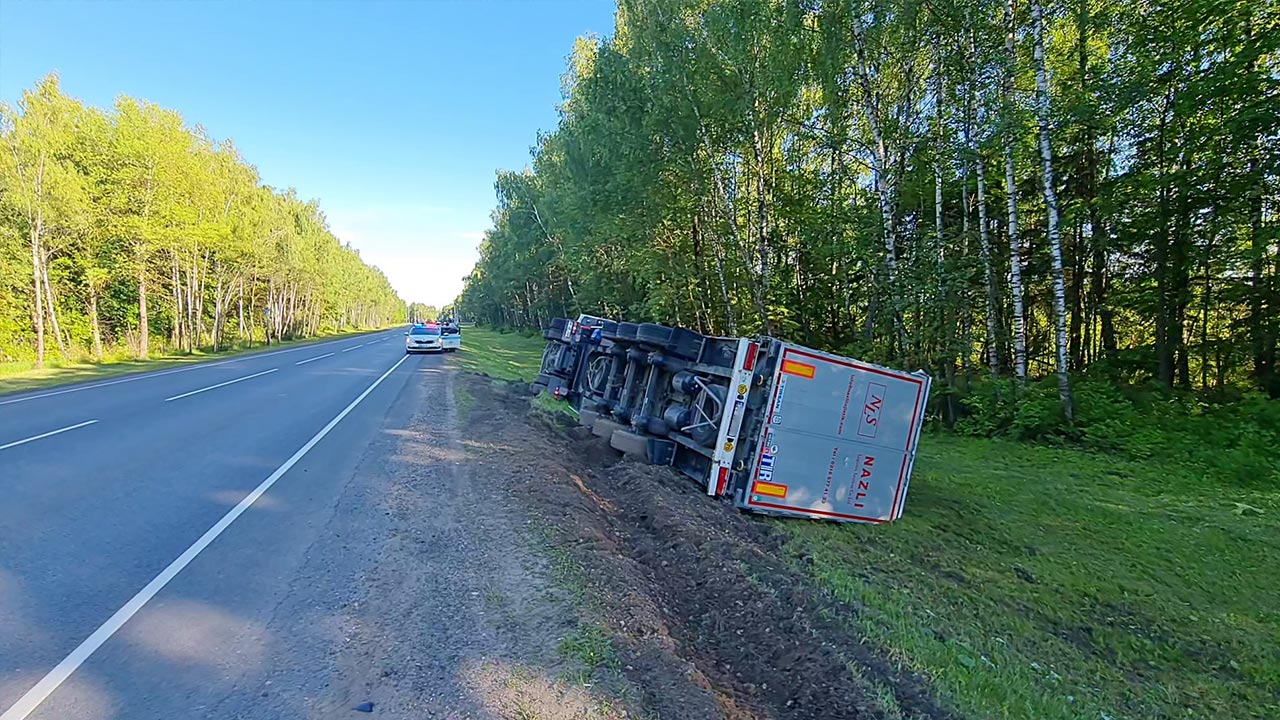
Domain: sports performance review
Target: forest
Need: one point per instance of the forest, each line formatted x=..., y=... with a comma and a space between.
x=1046, y=205
x=130, y=232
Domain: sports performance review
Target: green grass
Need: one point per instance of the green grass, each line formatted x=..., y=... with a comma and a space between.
x=1032, y=582
x=22, y=376
x=589, y=646
x=506, y=356
x=546, y=403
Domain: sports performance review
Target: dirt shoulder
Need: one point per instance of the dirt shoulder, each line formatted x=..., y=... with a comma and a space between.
x=701, y=618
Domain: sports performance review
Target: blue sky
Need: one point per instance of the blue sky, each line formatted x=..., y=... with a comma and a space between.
x=395, y=116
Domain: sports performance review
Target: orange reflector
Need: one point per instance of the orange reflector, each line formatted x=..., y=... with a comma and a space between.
x=770, y=489
x=804, y=370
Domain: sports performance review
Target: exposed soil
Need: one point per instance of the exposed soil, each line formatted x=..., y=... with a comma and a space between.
x=709, y=619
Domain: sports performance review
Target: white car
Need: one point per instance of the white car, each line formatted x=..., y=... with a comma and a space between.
x=424, y=338
x=452, y=336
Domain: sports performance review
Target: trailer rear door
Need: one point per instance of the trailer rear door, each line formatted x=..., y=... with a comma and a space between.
x=839, y=439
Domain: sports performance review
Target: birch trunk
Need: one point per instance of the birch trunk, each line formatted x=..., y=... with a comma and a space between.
x=937, y=171
x=51, y=307
x=175, y=285
x=94, y=324
x=880, y=168
x=1051, y=208
x=144, y=328
x=215, y=332
x=37, y=315
x=144, y=324
x=1011, y=198
x=984, y=239
x=993, y=334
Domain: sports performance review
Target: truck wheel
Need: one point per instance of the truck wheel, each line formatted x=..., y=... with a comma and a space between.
x=653, y=334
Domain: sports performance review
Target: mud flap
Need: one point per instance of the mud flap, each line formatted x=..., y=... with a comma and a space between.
x=603, y=428
x=655, y=451
x=587, y=418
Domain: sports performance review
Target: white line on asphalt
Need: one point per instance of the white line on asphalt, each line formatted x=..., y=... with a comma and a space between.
x=144, y=376
x=318, y=357
x=50, y=682
x=353, y=347
x=221, y=384
x=45, y=435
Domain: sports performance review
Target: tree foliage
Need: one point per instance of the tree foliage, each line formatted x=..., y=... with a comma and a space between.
x=130, y=231
x=869, y=176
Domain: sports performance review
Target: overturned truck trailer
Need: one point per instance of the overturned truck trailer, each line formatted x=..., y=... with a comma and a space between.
x=779, y=428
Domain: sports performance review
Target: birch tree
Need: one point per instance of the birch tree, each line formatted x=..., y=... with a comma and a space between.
x=1008, y=127
x=1051, y=207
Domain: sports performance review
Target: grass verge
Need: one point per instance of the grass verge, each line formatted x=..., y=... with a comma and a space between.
x=1032, y=582
x=23, y=376
x=506, y=356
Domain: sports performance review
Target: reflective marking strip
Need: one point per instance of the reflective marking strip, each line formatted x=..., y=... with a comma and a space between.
x=770, y=489
x=804, y=370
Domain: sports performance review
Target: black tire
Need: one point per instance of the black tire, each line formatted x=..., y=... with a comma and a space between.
x=685, y=344
x=653, y=334
x=556, y=331
x=627, y=331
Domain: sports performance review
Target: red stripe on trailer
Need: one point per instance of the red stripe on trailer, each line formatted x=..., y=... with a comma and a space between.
x=902, y=475
x=857, y=366
x=803, y=511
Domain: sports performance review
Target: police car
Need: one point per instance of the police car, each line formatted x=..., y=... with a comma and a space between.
x=424, y=338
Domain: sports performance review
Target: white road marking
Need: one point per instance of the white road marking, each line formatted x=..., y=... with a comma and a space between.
x=318, y=357
x=158, y=373
x=353, y=347
x=50, y=682
x=45, y=435
x=221, y=384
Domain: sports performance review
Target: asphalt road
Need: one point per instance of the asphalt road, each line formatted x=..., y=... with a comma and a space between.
x=151, y=525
